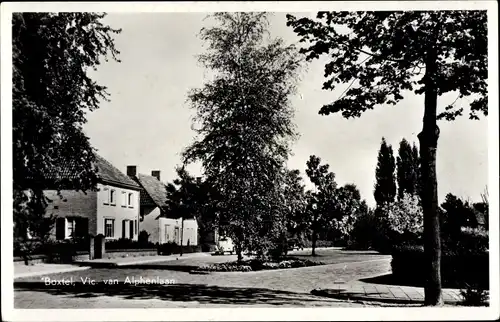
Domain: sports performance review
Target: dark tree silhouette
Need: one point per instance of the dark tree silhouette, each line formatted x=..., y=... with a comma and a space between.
x=385, y=185
x=407, y=169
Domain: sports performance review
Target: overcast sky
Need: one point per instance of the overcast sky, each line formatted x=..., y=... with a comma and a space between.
x=147, y=123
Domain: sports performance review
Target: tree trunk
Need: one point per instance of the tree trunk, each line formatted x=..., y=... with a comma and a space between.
x=428, y=144
x=313, y=242
x=239, y=252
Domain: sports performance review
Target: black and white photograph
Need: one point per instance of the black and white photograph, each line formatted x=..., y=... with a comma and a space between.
x=250, y=157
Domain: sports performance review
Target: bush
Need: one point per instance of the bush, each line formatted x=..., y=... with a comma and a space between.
x=469, y=240
x=474, y=295
x=143, y=237
x=458, y=268
x=257, y=265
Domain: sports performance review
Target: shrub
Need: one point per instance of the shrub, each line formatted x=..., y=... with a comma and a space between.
x=457, y=267
x=364, y=232
x=143, y=237
x=474, y=295
x=64, y=251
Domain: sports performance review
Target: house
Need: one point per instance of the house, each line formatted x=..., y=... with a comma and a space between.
x=154, y=219
x=112, y=209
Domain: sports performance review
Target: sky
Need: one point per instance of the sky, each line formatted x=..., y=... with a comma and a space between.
x=147, y=123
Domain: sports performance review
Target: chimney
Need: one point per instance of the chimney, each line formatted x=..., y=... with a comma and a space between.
x=131, y=170
x=156, y=174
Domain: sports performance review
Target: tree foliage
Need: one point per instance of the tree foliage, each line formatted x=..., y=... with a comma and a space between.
x=192, y=197
x=295, y=201
x=405, y=216
x=385, y=185
x=321, y=201
x=383, y=54
x=457, y=213
x=349, y=207
x=408, y=169
x=245, y=123
x=51, y=93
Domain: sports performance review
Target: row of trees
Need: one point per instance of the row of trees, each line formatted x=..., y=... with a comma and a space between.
x=397, y=176
x=326, y=211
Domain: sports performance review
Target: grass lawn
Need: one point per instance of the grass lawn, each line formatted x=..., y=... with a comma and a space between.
x=335, y=256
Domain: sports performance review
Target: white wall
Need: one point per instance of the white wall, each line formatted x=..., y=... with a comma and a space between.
x=118, y=211
x=150, y=223
x=170, y=231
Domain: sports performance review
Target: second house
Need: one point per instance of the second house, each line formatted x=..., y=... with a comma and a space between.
x=161, y=226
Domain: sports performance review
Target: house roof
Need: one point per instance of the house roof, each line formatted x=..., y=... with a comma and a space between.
x=154, y=191
x=106, y=173
x=110, y=174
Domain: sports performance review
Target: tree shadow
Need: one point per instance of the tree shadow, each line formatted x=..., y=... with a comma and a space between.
x=179, y=268
x=364, y=296
x=390, y=279
x=203, y=294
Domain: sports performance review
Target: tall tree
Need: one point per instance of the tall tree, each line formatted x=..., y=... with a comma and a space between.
x=51, y=94
x=385, y=185
x=348, y=208
x=245, y=124
x=321, y=201
x=192, y=197
x=407, y=169
x=386, y=53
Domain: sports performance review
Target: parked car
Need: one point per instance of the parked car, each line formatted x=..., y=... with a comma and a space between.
x=295, y=244
x=225, y=245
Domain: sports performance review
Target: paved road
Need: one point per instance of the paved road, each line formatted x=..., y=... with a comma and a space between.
x=288, y=287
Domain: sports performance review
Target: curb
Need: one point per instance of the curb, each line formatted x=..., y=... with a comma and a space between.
x=55, y=271
x=347, y=296
x=110, y=263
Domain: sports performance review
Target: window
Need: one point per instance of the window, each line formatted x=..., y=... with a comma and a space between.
x=124, y=199
x=109, y=228
x=106, y=196
x=131, y=200
x=112, y=197
x=70, y=227
x=135, y=226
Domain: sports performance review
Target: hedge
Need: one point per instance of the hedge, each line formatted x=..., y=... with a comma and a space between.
x=125, y=243
x=173, y=248
x=57, y=251
x=458, y=268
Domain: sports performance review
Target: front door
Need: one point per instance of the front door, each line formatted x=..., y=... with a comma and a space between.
x=131, y=224
x=176, y=235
